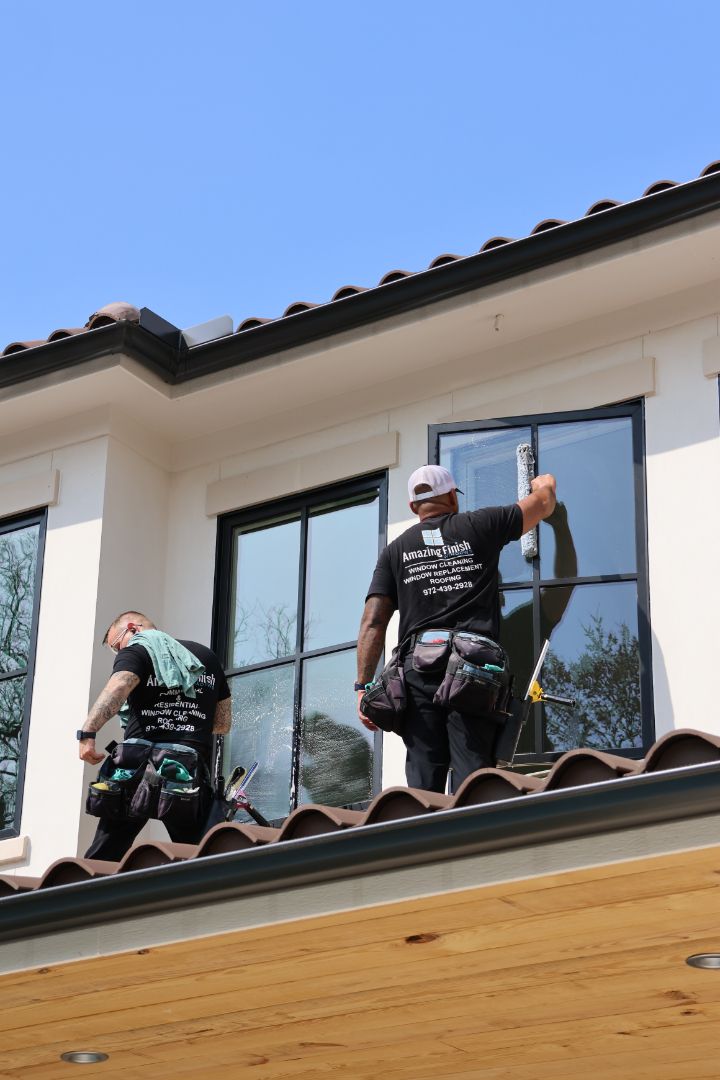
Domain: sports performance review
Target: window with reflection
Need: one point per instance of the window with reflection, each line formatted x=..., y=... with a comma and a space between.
x=20, y=559
x=291, y=588
x=586, y=589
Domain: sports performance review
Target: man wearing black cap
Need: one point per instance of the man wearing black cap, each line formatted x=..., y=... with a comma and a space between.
x=442, y=574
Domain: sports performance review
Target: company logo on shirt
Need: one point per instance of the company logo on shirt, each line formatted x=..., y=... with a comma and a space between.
x=432, y=538
x=437, y=549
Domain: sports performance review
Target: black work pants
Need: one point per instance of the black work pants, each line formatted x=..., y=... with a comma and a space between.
x=113, y=839
x=440, y=739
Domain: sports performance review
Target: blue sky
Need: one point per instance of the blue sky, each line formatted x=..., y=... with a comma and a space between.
x=231, y=157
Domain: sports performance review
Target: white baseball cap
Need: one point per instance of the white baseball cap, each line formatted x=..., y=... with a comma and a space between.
x=439, y=481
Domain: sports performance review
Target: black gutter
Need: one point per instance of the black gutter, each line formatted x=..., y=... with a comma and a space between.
x=648, y=799
x=445, y=282
x=474, y=272
x=106, y=341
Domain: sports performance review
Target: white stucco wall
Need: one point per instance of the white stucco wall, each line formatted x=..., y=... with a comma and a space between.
x=63, y=665
x=131, y=526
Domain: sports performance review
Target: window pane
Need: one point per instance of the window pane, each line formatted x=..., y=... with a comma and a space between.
x=18, y=559
x=594, y=658
x=593, y=463
x=265, y=591
x=262, y=703
x=342, y=552
x=484, y=465
x=336, y=754
x=12, y=704
x=516, y=637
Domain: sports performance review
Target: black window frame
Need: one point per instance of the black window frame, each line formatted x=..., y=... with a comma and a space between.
x=635, y=410
x=302, y=503
x=11, y=524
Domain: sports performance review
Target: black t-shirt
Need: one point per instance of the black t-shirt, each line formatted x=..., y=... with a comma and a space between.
x=443, y=571
x=163, y=715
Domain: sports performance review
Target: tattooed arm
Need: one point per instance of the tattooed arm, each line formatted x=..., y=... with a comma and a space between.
x=223, y=717
x=116, y=692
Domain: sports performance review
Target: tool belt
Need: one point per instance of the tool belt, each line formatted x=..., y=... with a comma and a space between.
x=140, y=780
x=477, y=680
x=384, y=699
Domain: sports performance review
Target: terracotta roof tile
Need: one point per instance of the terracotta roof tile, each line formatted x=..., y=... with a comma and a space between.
x=682, y=747
x=578, y=767
x=492, y=785
x=312, y=820
x=575, y=768
x=548, y=223
x=234, y=836
x=118, y=312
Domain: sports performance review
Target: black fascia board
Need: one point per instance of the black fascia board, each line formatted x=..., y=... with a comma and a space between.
x=544, y=817
x=65, y=353
x=467, y=274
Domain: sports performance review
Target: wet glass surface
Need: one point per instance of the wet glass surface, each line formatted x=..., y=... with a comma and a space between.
x=263, y=616
x=484, y=466
x=12, y=702
x=516, y=637
x=262, y=704
x=593, y=463
x=594, y=657
x=18, y=560
x=342, y=552
x=336, y=755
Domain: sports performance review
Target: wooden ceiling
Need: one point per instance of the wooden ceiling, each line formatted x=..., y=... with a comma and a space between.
x=576, y=975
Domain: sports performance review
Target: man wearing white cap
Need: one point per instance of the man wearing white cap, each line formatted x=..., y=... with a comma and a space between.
x=442, y=576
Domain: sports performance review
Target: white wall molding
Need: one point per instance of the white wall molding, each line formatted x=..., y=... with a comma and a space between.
x=14, y=850
x=302, y=473
x=29, y=493
x=587, y=390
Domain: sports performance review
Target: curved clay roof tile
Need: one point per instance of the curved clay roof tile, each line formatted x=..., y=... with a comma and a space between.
x=348, y=290
x=496, y=242
x=297, y=308
x=65, y=332
x=20, y=346
x=713, y=167
x=394, y=275
x=119, y=311
x=547, y=223
x=251, y=323
x=600, y=205
x=658, y=186
x=443, y=260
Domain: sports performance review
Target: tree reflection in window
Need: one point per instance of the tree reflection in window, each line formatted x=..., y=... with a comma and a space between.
x=18, y=570
x=586, y=590
x=292, y=584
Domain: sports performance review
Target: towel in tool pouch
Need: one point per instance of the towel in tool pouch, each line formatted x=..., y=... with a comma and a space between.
x=477, y=680
x=140, y=780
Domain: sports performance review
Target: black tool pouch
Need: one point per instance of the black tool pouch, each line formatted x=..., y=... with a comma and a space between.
x=109, y=798
x=384, y=702
x=432, y=650
x=144, y=803
x=477, y=680
x=180, y=803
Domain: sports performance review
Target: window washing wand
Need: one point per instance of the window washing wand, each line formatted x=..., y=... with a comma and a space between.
x=236, y=798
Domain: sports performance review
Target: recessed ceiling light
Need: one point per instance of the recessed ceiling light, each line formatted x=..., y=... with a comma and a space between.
x=704, y=960
x=84, y=1057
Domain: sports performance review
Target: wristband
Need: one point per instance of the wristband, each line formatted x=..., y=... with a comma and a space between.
x=82, y=735
x=360, y=686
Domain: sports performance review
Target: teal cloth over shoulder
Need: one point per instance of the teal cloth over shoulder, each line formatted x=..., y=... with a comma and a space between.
x=174, y=665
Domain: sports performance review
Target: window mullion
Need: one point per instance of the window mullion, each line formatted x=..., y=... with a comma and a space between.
x=299, y=643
